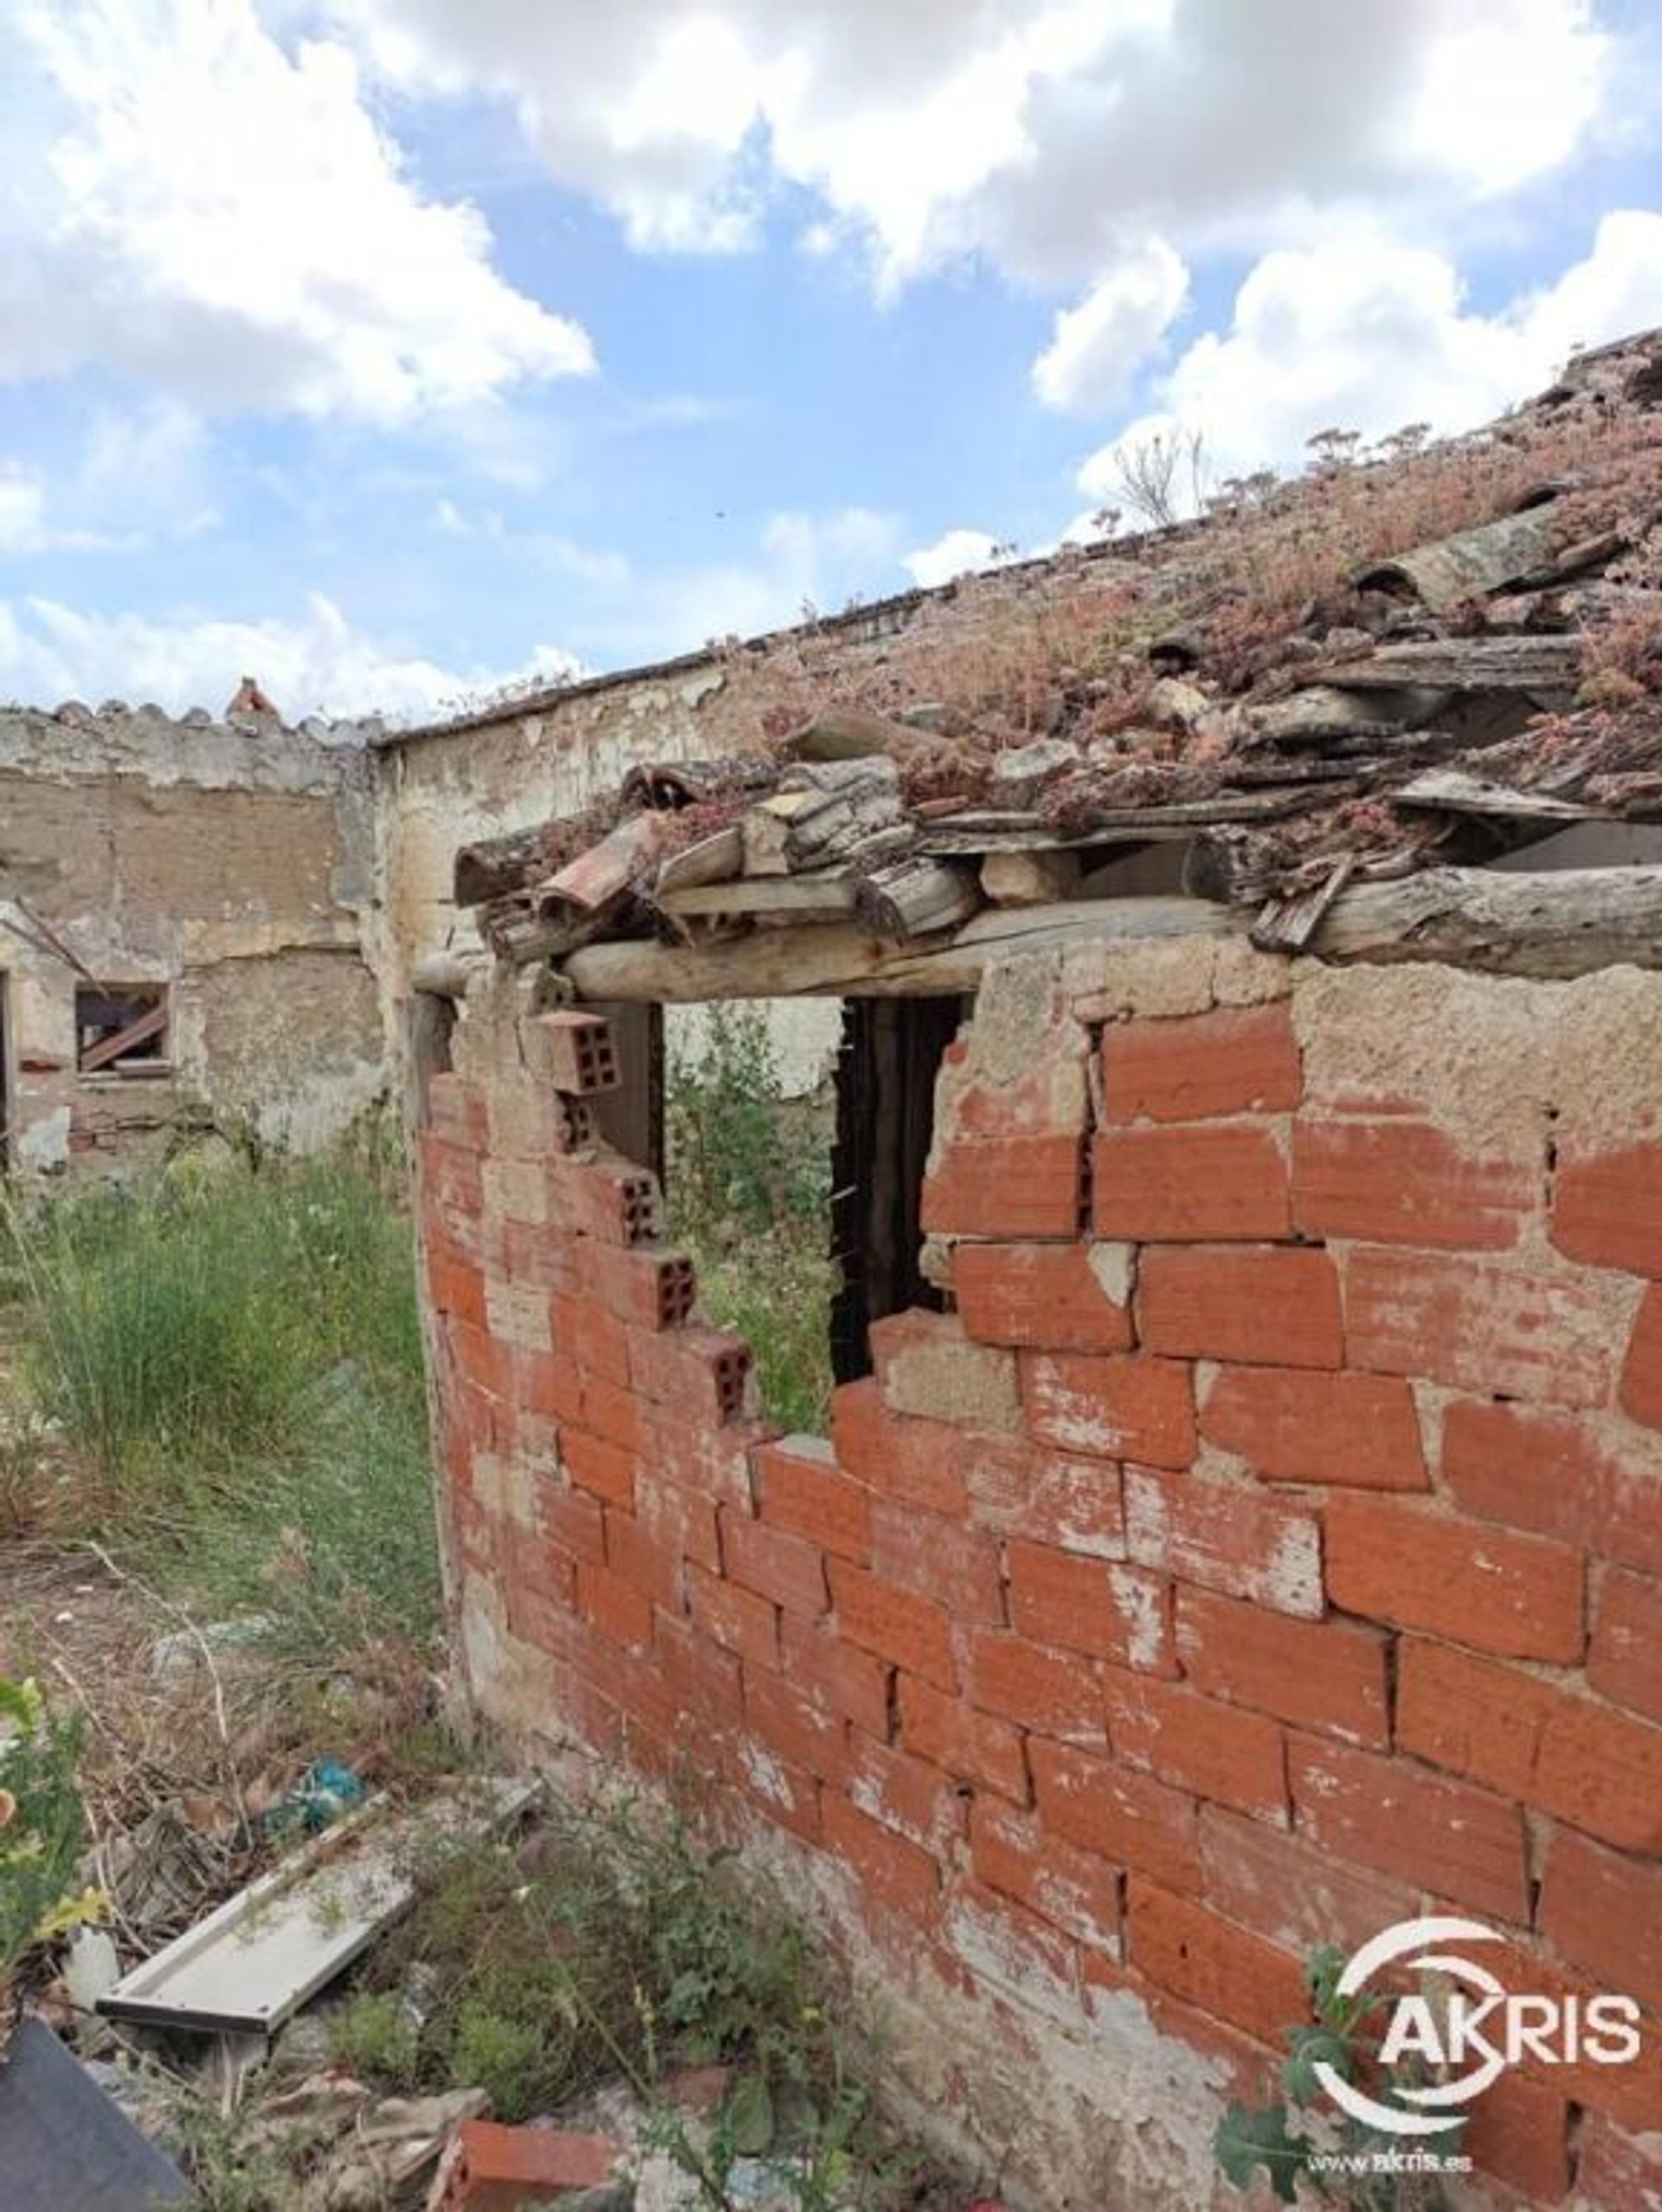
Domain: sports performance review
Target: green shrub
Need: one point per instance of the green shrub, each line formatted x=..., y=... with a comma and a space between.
x=373, y=2035
x=748, y=1188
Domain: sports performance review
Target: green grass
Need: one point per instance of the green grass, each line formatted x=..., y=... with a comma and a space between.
x=233, y=1355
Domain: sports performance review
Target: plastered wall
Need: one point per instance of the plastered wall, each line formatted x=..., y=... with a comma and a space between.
x=234, y=867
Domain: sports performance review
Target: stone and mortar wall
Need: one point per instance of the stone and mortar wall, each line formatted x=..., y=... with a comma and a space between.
x=234, y=866
x=1268, y=1549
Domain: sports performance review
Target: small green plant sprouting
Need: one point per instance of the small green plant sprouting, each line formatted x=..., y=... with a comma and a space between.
x=1282, y=2140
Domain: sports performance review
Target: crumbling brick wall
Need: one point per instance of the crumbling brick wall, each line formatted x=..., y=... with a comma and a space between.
x=1266, y=1550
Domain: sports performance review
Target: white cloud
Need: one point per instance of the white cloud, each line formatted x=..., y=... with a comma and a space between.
x=1038, y=132
x=1368, y=335
x=956, y=553
x=314, y=664
x=1097, y=347
x=191, y=205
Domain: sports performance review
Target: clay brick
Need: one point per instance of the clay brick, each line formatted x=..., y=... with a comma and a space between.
x=538, y=1260
x=798, y=1728
x=897, y=1874
x=482, y=1360
x=517, y=1314
x=574, y=1051
x=515, y=1193
x=1226, y=1536
x=1625, y=1661
x=852, y=1682
x=957, y=1567
x=1518, y=2131
x=597, y=1340
x=737, y=1619
x=789, y=1796
x=1118, y=1406
x=1265, y=1306
x=1478, y=1327
x=1287, y=1889
x=906, y=1794
x=1006, y=1949
x=682, y=1523
x=915, y=1462
x=1404, y=1182
x=1421, y=1828
x=527, y=1120
x=500, y=2166
x=1115, y=1811
x=1613, y=2171
x=1557, y=1477
x=1008, y=1187
x=702, y=1676
x=703, y=1374
x=609, y=1413
x=1049, y=1496
x=1189, y=1185
x=1239, y=1060
x=617, y=1611
x=1301, y=1424
x=1607, y=1209
x=1207, y=1962
x=548, y=1385
x=608, y=1198
x=452, y=1183
x=711, y=1463
x=1327, y=1677
x=639, y=1284
x=967, y=1744
x=1039, y=1295
x=911, y=1631
x=454, y=1285
x=455, y=1110
x=572, y=1520
x=1221, y=1752
x=635, y=1556
x=604, y=1469
x=1058, y=1693
x=1603, y=1911
x=1594, y=1768
x=1074, y=1890
x=775, y=1565
x=1519, y=1597
x=1641, y=1371
x=926, y=1365
x=799, y=1490
x=1090, y=1605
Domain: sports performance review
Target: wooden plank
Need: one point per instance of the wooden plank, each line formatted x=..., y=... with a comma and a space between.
x=1286, y=925
x=827, y=891
x=149, y=1024
x=916, y=897
x=1450, y=791
x=1572, y=922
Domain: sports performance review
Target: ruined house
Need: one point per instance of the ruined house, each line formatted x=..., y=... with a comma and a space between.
x=1239, y=1528
x=187, y=913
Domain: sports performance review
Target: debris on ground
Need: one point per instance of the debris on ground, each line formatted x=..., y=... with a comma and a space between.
x=65, y=2146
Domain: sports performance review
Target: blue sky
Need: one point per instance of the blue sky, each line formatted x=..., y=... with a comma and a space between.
x=390, y=350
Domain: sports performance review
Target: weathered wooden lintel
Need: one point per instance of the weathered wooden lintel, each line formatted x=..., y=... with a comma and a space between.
x=1568, y=922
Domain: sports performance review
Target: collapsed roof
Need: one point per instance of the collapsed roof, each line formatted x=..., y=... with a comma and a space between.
x=1307, y=692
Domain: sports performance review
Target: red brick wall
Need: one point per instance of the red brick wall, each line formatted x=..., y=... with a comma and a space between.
x=1269, y=1548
